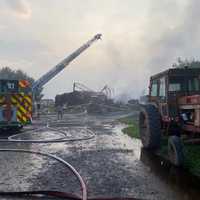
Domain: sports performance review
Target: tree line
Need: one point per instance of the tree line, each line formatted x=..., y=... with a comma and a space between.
x=190, y=63
x=7, y=73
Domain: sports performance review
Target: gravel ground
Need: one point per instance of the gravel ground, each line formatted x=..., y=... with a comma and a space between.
x=109, y=163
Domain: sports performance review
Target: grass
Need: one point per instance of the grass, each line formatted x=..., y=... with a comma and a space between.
x=192, y=161
x=192, y=152
x=192, y=156
x=132, y=130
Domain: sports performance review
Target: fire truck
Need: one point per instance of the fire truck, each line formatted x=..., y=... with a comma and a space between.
x=15, y=103
x=18, y=96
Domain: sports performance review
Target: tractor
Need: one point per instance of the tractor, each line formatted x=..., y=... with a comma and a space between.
x=172, y=112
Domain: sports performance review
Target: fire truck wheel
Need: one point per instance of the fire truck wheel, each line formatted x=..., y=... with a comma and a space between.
x=175, y=151
x=18, y=128
x=150, y=127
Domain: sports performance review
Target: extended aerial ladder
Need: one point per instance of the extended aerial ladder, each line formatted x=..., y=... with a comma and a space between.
x=59, y=67
x=17, y=96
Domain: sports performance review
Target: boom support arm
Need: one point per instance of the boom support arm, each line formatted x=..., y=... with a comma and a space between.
x=60, y=66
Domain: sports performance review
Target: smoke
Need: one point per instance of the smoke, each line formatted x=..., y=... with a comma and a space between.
x=140, y=38
x=20, y=7
x=176, y=36
x=171, y=32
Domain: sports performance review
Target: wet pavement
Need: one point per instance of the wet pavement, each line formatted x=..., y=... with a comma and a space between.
x=111, y=163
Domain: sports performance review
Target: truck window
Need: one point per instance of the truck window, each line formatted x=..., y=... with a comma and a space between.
x=162, y=91
x=9, y=86
x=173, y=87
x=176, y=84
x=193, y=84
x=154, y=89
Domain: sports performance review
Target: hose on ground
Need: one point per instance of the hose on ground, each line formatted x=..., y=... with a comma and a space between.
x=61, y=139
x=66, y=164
x=64, y=137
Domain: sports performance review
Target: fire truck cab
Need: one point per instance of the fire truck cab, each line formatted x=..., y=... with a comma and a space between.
x=15, y=104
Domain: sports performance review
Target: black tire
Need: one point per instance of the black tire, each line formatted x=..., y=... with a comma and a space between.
x=150, y=127
x=175, y=151
x=20, y=128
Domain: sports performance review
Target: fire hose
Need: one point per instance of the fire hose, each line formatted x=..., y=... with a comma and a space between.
x=66, y=164
x=64, y=137
x=50, y=193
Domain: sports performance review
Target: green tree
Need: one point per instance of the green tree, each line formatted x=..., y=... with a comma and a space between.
x=187, y=63
x=8, y=73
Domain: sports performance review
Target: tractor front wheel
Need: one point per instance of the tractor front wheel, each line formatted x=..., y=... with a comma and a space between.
x=150, y=127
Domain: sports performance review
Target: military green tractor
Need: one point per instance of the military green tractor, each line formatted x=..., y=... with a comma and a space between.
x=172, y=111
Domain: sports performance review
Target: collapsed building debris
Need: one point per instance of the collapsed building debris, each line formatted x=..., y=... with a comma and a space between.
x=93, y=101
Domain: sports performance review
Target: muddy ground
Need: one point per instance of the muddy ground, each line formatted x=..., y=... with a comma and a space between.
x=111, y=163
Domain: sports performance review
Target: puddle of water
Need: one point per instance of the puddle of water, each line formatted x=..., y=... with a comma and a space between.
x=167, y=179
x=121, y=140
x=73, y=133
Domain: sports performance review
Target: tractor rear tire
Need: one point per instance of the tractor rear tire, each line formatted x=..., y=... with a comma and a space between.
x=175, y=151
x=150, y=127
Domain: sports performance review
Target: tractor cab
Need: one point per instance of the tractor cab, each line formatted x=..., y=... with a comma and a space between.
x=169, y=88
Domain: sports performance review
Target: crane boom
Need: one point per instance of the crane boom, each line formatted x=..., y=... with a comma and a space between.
x=60, y=66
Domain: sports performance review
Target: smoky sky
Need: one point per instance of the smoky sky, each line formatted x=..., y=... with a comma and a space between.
x=140, y=38
x=20, y=7
x=181, y=39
